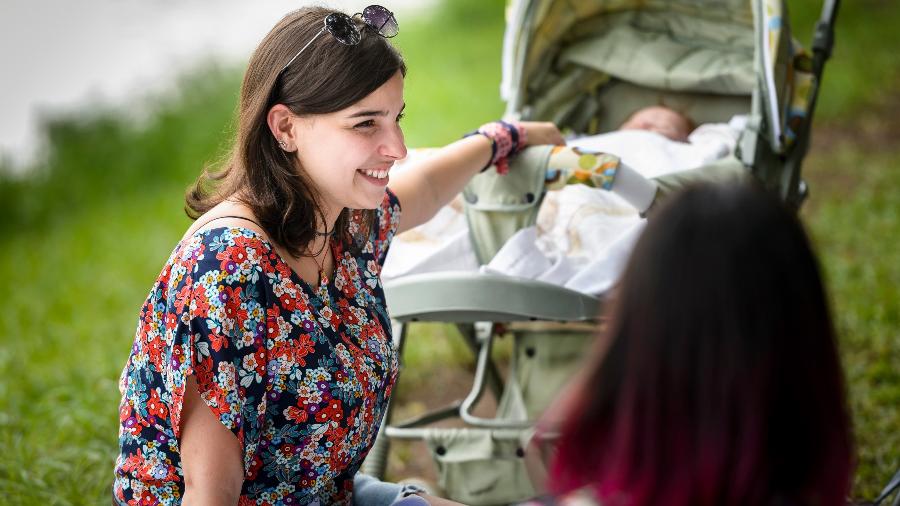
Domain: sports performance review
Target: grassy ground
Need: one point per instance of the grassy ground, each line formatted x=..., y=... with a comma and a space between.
x=83, y=237
x=854, y=217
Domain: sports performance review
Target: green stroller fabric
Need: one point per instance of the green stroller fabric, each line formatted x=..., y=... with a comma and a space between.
x=497, y=206
x=484, y=467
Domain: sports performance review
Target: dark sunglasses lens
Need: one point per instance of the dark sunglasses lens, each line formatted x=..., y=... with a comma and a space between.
x=341, y=27
x=381, y=19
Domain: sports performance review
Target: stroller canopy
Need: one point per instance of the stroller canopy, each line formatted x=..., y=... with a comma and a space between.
x=560, y=56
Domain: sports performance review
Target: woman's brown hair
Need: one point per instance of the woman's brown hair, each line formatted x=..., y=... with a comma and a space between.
x=326, y=77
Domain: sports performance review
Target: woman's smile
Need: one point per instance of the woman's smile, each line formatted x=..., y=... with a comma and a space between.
x=377, y=176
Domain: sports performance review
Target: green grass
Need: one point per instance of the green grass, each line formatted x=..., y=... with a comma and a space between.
x=865, y=66
x=854, y=218
x=454, y=72
x=855, y=225
x=66, y=338
x=84, y=236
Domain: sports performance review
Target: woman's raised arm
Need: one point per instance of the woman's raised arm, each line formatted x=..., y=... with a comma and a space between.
x=432, y=182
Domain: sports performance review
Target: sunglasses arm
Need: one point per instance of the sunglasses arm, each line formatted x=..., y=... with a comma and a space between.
x=321, y=31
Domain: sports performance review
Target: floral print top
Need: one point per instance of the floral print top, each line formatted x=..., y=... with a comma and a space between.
x=301, y=376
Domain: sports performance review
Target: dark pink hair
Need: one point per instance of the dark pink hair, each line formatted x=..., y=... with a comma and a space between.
x=721, y=383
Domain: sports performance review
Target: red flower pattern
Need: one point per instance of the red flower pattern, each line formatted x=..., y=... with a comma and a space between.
x=319, y=362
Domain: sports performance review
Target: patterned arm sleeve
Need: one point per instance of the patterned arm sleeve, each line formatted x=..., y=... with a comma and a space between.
x=219, y=308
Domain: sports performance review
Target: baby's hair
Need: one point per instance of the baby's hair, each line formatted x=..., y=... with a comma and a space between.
x=682, y=119
x=680, y=109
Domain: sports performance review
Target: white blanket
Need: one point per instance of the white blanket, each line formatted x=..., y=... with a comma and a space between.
x=583, y=235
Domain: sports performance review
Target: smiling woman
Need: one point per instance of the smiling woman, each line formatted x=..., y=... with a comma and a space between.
x=263, y=362
x=365, y=139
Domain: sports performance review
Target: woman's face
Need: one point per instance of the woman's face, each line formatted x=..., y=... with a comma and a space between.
x=349, y=153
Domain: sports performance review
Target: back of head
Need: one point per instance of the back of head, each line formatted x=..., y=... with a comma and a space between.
x=720, y=381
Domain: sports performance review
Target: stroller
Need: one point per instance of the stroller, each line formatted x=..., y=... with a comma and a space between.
x=586, y=66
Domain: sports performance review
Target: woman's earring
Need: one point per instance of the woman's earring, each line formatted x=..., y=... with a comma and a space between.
x=282, y=144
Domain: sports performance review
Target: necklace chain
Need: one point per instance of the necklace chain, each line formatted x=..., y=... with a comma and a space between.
x=321, y=266
x=325, y=249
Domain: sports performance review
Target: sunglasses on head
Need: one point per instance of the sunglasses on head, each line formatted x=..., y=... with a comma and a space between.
x=345, y=30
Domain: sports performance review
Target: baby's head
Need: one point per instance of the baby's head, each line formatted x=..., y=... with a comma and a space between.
x=662, y=120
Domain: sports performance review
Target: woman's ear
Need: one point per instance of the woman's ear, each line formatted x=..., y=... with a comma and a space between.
x=281, y=123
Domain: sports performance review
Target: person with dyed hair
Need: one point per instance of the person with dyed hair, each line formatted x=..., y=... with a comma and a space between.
x=717, y=379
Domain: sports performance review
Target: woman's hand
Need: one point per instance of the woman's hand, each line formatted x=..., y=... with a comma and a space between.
x=436, y=179
x=541, y=132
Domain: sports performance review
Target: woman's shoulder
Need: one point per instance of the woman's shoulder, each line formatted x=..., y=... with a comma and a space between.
x=228, y=251
x=225, y=237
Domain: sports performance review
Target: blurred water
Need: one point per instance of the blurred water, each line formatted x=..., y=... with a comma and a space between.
x=57, y=55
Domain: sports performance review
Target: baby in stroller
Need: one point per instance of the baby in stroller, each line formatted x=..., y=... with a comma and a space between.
x=662, y=120
x=586, y=224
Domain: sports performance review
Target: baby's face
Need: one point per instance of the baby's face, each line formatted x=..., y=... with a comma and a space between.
x=661, y=120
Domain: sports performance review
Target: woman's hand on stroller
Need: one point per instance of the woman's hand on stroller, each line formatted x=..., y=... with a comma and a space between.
x=541, y=132
x=438, y=178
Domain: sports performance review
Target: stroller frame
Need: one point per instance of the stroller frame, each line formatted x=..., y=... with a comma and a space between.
x=475, y=303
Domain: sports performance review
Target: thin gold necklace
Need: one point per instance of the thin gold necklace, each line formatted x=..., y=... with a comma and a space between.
x=322, y=288
x=321, y=266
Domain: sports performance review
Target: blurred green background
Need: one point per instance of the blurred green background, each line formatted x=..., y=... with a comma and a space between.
x=85, y=233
